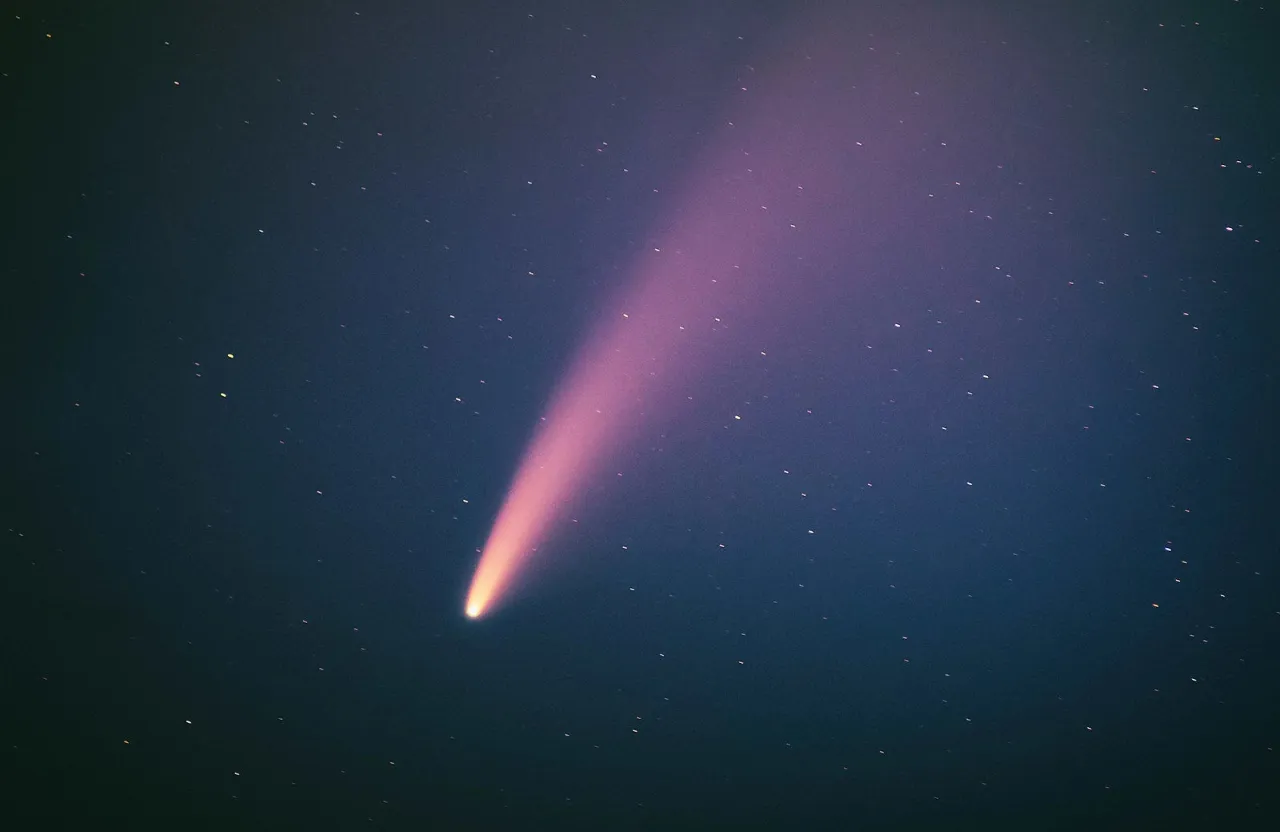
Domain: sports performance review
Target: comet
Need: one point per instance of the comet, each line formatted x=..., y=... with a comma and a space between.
x=780, y=177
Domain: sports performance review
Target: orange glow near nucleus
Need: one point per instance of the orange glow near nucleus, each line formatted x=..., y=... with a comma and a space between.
x=572, y=441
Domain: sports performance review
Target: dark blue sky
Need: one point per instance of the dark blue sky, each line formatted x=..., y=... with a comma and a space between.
x=959, y=515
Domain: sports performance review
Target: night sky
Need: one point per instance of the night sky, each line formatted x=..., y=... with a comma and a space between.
x=909, y=368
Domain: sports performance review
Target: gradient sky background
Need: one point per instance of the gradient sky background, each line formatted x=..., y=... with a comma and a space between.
x=951, y=506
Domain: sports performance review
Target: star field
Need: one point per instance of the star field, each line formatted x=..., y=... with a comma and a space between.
x=924, y=478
